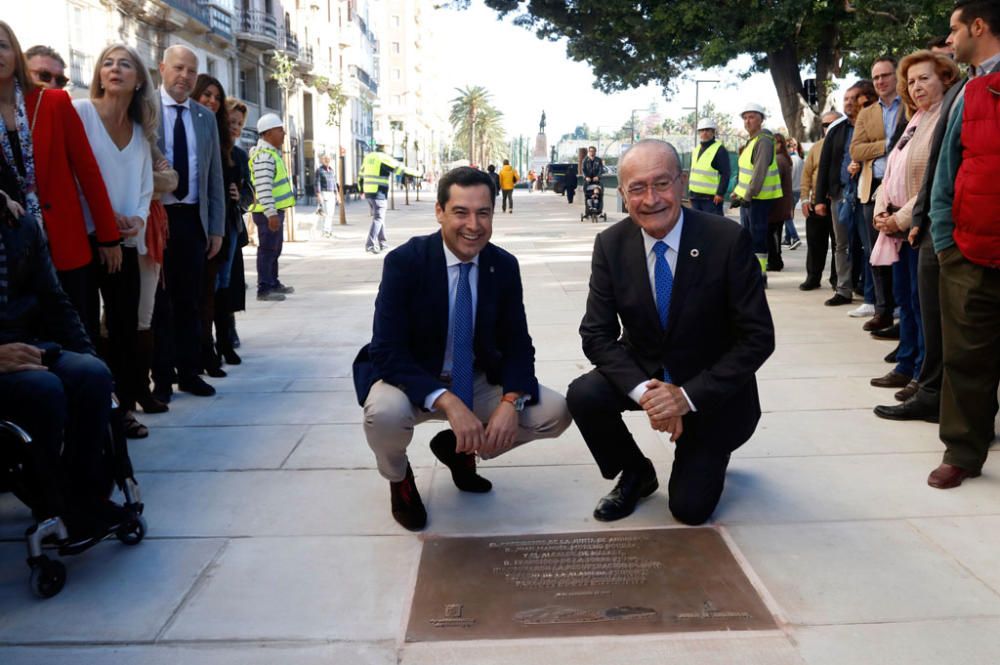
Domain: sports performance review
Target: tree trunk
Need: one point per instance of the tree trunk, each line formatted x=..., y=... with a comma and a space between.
x=784, y=67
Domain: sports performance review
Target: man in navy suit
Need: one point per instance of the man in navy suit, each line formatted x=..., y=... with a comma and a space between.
x=676, y=324
x=451, y=342
x=189, y=139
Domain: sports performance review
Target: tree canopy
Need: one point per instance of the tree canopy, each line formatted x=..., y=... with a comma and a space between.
x=629, y=44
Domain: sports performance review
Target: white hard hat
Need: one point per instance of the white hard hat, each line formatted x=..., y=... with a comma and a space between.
x=706, y=123
x=755, y=107
x=268, y=121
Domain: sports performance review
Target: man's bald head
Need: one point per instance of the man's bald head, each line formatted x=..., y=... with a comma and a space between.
x=179, y=71
x=649, y=147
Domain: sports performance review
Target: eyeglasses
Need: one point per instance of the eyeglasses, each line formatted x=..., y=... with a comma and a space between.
x=660, y=186
x=45, y=76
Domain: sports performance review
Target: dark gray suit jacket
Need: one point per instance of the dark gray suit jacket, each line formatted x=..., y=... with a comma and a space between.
x=211, y=190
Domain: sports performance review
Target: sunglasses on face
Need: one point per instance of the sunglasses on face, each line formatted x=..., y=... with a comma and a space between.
x=45, y=76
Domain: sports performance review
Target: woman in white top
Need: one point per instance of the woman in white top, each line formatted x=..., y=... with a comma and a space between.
x=120, y=119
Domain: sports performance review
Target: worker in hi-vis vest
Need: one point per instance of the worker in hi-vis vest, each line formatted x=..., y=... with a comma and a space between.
x=274, y=194
x=758, y=184
x=710, y=170
x=377, y=171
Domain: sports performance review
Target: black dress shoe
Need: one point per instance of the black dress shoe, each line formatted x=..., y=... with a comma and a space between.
x=162, y=393
x=407, y=508
x=892, y=379
x=634, y=484
x=837, y=299
x=890, y=333
x=196, y=386
x=462, y=466
x=808, y=286
x=891, y=356
x=911, y=409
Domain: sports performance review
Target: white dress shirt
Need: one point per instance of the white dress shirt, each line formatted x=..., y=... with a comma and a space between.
x=454, y=272
x=169, y=118
x=673, y=240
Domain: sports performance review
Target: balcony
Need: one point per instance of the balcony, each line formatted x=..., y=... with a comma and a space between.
x=306, y=57
x=291, y=44
x=193, y=8
x=365, y=79
x=258, y=28
x=220, y=21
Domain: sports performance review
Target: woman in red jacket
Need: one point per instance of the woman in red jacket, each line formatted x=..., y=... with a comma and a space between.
x=42, y=135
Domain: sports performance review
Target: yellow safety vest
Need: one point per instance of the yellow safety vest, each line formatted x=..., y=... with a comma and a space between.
x=281, y=187
x=705, y=179
x=371, y=171
x=772, y=182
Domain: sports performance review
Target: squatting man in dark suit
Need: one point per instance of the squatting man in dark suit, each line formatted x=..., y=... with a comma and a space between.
x=676, y=324
x=450, y=342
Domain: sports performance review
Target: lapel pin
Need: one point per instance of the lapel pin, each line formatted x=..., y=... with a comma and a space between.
x=694, y=253
x=491, y=268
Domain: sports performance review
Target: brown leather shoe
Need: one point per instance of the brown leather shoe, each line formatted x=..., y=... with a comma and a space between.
x=947, y=476
x=906, y=393
x=877, y=322
x=891, y=380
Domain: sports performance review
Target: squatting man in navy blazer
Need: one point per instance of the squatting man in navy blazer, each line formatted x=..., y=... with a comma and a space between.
x=412, y=371
x=676, y=325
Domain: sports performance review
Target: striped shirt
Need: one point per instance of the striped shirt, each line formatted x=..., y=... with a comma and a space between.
x=264, y=167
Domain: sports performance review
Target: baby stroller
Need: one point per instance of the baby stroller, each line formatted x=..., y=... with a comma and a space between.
x=49, y=575
x=593, y=203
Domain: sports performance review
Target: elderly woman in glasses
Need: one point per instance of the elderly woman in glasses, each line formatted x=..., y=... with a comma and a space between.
x=121, y=119
x=922, y=79
x=43, y=139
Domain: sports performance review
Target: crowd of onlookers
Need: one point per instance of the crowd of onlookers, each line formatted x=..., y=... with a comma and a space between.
x=903, y=189
x=141, y=193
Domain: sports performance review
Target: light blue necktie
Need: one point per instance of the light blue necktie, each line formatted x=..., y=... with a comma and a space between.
x=664, y=285
x=461, y=354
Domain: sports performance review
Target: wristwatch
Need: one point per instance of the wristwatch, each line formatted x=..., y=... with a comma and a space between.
x=515, y=400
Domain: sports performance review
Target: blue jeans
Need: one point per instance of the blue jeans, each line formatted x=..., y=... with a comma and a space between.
x=67, y=407
x=910, y=355
x=791, y=234
x=269, y=244
x=852, y=216
x=376, y=233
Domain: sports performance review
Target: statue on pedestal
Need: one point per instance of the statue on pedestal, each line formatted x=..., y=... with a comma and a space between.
x=541, y=123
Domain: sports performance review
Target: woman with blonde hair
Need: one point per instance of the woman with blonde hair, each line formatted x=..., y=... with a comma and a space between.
x=922, y=79
x=121, y=119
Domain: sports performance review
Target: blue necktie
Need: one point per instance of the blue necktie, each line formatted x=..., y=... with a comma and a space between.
x=180, y=154
x=461, y=355
x=664, y=285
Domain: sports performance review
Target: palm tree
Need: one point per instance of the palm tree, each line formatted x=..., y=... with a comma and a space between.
x=492, y=142
x=466, y=112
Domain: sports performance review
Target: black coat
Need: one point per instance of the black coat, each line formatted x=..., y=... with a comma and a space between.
x=720, y=329
x=37, y=308
x=828, y=187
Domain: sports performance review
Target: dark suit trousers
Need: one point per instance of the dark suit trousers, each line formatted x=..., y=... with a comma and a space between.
x=928, y=273
x=177, y=317
x=819, y=238
x=881, y=275
x=80, y=284
x=120, y=292
x=970, y=328
x=699, y=470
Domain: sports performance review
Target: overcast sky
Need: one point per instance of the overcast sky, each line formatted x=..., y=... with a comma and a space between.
x=526, y=74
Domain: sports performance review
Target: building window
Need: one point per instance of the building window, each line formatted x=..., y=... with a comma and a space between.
x=395, y=20
x=396, y=75
x=395, y=47
x=211, y=66
x=272, y=95
x=249, y=90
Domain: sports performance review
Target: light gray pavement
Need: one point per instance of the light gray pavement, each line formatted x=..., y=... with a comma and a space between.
x=270, y=538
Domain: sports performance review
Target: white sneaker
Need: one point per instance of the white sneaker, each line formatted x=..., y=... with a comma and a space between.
x=862, y=312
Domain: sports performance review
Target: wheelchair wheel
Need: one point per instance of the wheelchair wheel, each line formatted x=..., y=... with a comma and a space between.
x=132, y=532
x=47, y=577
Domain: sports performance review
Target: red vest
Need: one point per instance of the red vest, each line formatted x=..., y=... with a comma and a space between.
x=976, y=206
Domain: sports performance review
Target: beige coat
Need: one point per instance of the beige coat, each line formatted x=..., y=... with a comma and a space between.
x=916, y=165
x=807, y=188
x=868, y=144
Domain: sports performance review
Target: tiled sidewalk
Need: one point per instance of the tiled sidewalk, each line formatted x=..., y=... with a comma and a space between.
x=270, y=538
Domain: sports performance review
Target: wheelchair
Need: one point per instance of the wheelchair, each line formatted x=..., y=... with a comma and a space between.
x=48, y=575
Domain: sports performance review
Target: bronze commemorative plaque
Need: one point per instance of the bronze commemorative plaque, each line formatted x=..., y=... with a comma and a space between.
x=576, y=584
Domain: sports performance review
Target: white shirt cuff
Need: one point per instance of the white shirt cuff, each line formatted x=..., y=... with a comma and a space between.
x=431, y=398
x=636, y=394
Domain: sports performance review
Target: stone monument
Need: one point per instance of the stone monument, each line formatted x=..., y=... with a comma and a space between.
x=540, y=156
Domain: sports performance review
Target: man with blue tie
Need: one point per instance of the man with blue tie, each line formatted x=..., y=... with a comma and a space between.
x=450, y=342
x=189, y=139
x=676, y=325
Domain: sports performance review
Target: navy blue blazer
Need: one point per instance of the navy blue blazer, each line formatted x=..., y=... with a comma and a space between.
x=410, y=330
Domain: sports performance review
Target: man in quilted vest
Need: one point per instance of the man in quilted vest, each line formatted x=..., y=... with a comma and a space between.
x=965, y=227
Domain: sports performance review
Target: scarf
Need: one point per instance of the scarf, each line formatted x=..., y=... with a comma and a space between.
x=27, y=181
